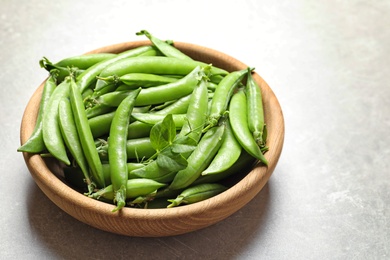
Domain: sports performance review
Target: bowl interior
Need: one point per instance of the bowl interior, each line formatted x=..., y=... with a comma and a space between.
x=161, y=222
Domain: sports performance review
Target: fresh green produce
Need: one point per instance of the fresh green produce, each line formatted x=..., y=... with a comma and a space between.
x=197, y=193
x=35, y=144
x=117, y=148
x=150, y=126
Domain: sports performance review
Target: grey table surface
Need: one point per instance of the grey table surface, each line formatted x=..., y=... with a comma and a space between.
x=328, y=63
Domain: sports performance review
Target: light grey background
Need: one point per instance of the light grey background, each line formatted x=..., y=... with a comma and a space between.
x=328, y=63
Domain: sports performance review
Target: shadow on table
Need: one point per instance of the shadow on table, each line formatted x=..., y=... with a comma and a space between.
x=65, y=237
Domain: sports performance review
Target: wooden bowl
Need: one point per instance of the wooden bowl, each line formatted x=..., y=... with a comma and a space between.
x=165, y=221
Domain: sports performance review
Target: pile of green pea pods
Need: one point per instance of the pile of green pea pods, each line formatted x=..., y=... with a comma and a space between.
x=148, y=127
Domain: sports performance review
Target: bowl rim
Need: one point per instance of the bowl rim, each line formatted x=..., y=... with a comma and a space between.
x=253, y=181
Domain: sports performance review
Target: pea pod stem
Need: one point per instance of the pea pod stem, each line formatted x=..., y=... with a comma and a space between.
x=222, y=96
x=117, y=149
x=165, y=48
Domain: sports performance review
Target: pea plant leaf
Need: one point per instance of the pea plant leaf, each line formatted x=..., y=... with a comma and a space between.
x=184, y=144
x=167, y=159
x=169, y=146
x=163, y=133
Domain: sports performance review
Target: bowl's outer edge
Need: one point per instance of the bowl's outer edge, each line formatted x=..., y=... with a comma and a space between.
x=161, y=222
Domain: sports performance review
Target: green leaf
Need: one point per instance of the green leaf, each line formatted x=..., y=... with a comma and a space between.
x=184, y=144
x=169, y=160
x=163, y=133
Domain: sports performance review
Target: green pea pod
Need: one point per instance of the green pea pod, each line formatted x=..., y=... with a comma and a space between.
x=72, y=140
x=117, y=148
x=62, y=72
x=200, y=158
x=88, y=77
x=134, y=189
x=85, y=135
x=138, y=148
x=165, y=48
x=35, y=143
x=227, y=155
x=100, y=125
x=156, y=65
x=84, y=61
x=130, y=167
x=138, y=129
x=238, y=117
x=97, y=110
x=241, y=166
x=255, y=109
x=222, y=96
x=157, y=94
x=112, y=99
x=136, y=80
x=197, y=193
x=51, y=131
x=197, y=112
x=179, y=106
x=152, y=119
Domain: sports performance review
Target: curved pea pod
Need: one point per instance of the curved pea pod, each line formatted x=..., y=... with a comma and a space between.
x=197, y=112
x=200, y=158
x=222, y=96
x=84, y=61
x=88, y=77
x=227, y=155
x=35, y=143
x=197, y=193
x=51, y=131
x=238, y=118
x=152, y=119
x=117, y=149
x=72, y=140
x=62, y=72
x=255, y=109
x=244, y=163
x=179, y=106
x=85, y=134
x=134, y=189
x=136, y=80
x=164, y=47
x=171, y=91
x=156, y=65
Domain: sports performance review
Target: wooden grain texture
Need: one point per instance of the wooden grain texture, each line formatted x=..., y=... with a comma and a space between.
x=161, y=222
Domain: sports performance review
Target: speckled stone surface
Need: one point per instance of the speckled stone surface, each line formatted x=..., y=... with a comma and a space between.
x=328, y=63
